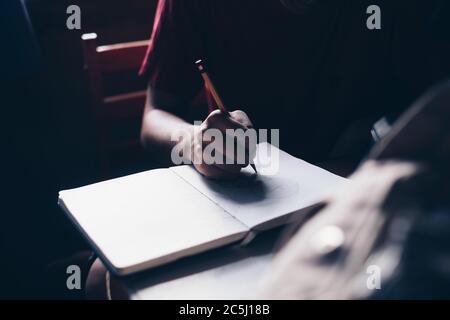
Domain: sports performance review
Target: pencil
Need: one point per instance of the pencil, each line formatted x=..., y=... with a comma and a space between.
x=212, y=88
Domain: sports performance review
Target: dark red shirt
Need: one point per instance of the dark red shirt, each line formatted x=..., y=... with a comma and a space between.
x=311, y=75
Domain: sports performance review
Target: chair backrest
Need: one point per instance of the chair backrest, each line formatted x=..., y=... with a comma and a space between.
x=113, y=113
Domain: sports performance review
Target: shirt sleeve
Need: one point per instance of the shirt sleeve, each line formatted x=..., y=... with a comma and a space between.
x=173, y=49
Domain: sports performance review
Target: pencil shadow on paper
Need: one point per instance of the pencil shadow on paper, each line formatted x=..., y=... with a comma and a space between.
x=251, y=189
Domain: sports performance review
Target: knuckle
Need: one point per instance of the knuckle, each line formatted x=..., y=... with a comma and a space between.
x=215, y=115
x=239, y=113
x=241, y=117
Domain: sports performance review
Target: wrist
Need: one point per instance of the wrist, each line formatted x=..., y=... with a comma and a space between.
x=187, y=142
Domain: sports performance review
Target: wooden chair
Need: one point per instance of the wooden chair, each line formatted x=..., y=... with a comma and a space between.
x=112, y=113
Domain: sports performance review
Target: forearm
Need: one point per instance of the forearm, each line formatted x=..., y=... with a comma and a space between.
x=161, y=132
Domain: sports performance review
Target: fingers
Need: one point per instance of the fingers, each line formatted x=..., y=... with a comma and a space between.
x=238, y=142
x=224, y=144
x=220, y=172
x=224, y=152
x=218, y=120
x=241, y=117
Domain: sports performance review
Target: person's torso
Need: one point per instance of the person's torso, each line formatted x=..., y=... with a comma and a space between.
x=307, y=75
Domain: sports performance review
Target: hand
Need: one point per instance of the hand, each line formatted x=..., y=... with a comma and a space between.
x=231, y=156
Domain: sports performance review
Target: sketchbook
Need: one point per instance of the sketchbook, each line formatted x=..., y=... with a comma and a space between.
x=155, y=217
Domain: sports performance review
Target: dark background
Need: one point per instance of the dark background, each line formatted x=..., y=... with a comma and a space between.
x=64, y=79
x=47, y=129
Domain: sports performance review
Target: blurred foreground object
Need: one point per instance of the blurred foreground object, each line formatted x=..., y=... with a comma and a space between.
x=386, y=235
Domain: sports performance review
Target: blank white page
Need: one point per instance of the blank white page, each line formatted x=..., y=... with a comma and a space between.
x=148, y=219
x=256, y=199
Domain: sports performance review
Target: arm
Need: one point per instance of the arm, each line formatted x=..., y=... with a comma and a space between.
x=159, y=126
x=169, y=68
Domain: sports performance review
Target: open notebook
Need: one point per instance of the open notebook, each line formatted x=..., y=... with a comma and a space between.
x=155, y=217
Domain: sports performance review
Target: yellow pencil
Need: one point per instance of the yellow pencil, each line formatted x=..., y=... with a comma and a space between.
x=210, y=85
